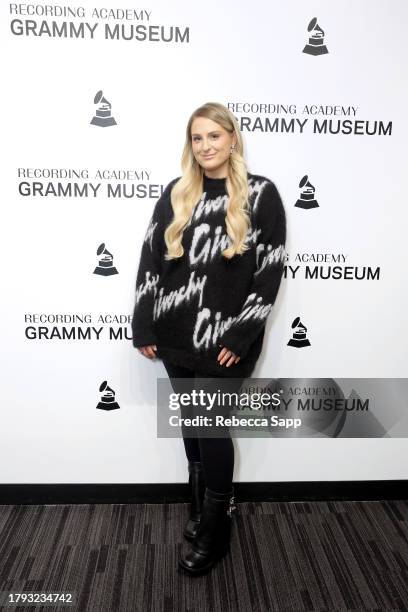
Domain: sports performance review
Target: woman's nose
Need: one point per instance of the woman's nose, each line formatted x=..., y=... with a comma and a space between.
x=206, y=145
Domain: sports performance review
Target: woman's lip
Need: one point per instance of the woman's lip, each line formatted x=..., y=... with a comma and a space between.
x=208, y=156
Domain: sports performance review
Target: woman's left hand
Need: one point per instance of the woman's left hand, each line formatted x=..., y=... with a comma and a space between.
x=226, y=355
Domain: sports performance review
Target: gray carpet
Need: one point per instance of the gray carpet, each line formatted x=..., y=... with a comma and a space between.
x=284, y=556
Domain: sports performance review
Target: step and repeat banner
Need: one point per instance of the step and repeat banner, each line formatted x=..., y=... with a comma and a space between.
x=96, y=98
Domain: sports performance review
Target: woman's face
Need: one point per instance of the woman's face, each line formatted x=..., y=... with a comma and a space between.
x=211, y=145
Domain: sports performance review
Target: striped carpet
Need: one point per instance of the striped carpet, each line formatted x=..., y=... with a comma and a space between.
x=338, y=555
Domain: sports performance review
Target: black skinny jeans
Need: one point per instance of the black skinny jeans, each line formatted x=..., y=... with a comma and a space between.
x=216, y=453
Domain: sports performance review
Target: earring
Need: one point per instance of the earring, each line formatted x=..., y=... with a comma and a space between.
x=232, y=148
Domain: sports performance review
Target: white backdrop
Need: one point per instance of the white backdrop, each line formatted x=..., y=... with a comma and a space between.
x=234, y=54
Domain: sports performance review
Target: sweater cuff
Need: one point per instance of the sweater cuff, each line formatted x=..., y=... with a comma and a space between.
x=235, y=341
x=143, y=338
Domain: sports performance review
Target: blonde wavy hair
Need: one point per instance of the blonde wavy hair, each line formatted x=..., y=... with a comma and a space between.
x=189, y=188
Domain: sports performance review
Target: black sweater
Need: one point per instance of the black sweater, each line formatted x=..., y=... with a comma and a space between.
x=193, y=306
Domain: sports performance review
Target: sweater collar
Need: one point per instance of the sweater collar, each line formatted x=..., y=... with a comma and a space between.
x=214, y=184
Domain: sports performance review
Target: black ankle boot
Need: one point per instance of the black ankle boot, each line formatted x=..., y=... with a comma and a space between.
x=212, y=540
x=197, y=487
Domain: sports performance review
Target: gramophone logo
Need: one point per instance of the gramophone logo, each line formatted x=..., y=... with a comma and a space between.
x=307, y=194
x=107, y=401
x=102, y=117
x=316, y=45
x=105, y=265
x=299, y=335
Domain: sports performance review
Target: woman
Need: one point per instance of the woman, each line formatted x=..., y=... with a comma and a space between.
x=209, y=273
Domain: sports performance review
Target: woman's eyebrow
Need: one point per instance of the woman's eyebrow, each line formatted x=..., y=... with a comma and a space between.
x=214, y=132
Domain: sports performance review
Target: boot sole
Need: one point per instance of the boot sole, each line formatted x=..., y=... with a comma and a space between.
x=205, y=568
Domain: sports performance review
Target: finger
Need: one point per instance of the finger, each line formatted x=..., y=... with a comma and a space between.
x=221, y=353
x=225, y=358
x=238, y=358
x=231, y=361
x=151, y=352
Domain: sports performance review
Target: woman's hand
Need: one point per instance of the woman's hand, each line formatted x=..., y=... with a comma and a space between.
x=148, y=351
x=227, y=355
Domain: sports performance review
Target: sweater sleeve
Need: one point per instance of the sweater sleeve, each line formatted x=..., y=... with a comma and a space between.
x=270, y=256
x=150, y=266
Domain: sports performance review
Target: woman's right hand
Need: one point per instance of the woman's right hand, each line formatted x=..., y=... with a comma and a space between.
x=148, y=351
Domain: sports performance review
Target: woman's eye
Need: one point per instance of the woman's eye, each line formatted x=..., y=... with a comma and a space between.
x=198, y=137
